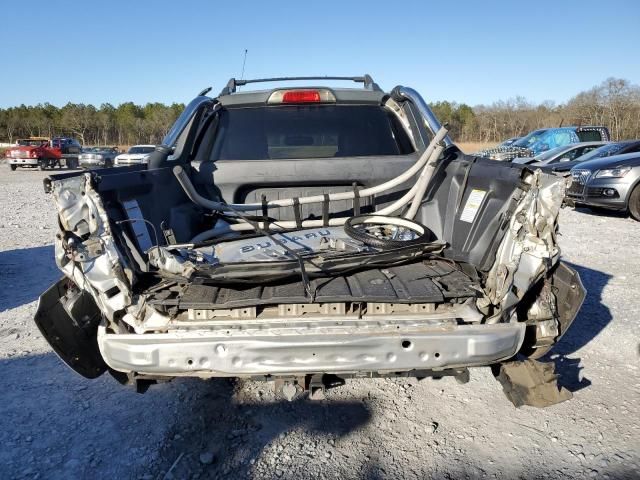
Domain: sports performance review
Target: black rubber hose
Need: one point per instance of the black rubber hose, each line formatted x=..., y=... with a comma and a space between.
x=425, y=236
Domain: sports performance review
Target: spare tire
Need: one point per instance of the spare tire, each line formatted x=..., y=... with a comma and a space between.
x=354, y=227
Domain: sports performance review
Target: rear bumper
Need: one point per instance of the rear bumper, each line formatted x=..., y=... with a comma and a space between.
x=91, y=162
x=242, y=353
x=123, y=163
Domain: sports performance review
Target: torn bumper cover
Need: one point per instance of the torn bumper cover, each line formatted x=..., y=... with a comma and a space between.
x=531, y=383
x=316, y=348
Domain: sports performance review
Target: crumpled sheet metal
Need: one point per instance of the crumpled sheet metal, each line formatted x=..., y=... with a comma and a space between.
x=532, y=383
x=97, y=263
x=529, y=248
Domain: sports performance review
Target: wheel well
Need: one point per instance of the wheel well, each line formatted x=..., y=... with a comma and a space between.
x=630, y=191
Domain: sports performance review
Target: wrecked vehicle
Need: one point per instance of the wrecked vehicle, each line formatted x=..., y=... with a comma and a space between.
x=545, y=139
x=306, y=235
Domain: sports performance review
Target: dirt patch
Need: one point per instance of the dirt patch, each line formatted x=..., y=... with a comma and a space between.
x=473, y=147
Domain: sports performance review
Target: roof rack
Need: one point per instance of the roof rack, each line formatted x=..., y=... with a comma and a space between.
x=233, y=83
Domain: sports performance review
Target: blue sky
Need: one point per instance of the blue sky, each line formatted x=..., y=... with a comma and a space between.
x=467, y=51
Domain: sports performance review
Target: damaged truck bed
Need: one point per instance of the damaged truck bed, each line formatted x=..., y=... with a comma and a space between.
x=305, y=235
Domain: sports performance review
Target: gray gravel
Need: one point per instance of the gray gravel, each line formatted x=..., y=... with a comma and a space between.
x=55, y=424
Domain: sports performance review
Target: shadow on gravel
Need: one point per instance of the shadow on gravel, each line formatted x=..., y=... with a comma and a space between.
x=219, y=434
x=602, y=212
x=24, y=274
x=55, y=424
x=593, y=317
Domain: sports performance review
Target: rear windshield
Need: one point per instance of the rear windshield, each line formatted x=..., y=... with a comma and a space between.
x=141, y=150
x=590, y=135
x=552, y=153
x=30, y=143
x=604, y=151
x=308, y=131
x=100, y=149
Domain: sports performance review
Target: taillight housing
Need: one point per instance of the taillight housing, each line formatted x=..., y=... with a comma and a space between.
x=299, y=95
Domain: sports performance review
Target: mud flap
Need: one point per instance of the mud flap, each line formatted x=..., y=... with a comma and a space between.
x=569, y=293
x=68, y=318
x=531, y=383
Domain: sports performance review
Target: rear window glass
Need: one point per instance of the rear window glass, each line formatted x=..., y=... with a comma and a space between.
x=141, y=150
x=589, y=135
x=604, y=151
x=30, y=143
x=308, y=131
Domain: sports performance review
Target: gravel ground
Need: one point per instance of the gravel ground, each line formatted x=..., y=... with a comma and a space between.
x=55, y=424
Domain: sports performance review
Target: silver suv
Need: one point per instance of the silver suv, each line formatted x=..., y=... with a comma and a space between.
x=611, y=183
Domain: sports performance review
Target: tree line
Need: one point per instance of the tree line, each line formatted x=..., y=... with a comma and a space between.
x=614, y=103
x=126, y=124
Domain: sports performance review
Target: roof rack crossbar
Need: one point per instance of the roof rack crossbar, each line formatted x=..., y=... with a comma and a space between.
x=233, y=83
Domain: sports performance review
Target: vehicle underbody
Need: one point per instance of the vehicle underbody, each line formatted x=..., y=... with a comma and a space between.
x=165, y=276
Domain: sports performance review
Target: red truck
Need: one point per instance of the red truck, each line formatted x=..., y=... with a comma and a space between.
x=44, y=153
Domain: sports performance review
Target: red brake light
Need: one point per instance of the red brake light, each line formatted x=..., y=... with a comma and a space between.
x=301, y=96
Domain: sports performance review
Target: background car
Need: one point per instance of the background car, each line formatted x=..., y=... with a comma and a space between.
x=607, y=150
x=136, y=155
x=609, y=182
x=98, y=157
x=566, y=153
x=545, y=139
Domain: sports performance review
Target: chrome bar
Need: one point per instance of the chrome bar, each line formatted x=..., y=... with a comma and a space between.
x=429, y=117
x=183, y=120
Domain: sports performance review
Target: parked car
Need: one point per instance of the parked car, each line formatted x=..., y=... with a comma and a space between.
x=98, y=157
x=136, y=155
x=607, y=150
x=545, y=139
x=307, y=235
x=609, y=182
x=554, y=157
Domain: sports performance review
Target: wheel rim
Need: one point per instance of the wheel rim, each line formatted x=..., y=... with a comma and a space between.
x=387, y=229
x=385, y=232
